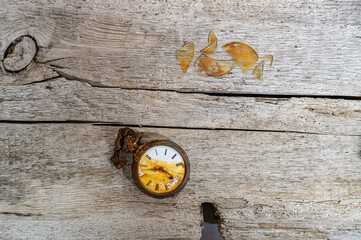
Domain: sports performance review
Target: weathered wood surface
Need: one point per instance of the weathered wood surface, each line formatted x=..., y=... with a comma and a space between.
x=58, y=182
x=132, y=43
x=276, y=167
x=63, y=100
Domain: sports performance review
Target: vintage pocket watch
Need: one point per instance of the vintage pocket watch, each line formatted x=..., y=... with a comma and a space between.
x=160, y=168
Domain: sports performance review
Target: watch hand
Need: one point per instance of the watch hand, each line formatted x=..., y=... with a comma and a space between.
x=162, y=170
x=157, y=167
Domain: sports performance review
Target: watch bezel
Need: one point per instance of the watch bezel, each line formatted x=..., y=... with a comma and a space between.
x=142, y=151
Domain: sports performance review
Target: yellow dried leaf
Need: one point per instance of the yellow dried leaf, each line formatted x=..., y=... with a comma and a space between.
x=245, y=56
x=212, y=47
x=185, y=56
x=214, y=68
x=270, y=58
x=258, y=71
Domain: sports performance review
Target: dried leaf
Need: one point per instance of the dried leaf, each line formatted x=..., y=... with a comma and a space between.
x=212, y=47
x=214, y=68
x=258, y=71
x=270, y=58
x=185, y=56
x=245, y=56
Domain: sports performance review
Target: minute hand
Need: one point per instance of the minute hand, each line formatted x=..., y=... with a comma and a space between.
x=168, y=172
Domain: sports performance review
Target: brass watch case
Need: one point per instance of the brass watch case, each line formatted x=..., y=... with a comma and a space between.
x=142, y=151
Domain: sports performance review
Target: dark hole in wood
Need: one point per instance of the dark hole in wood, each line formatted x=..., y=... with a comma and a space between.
x=210, y=223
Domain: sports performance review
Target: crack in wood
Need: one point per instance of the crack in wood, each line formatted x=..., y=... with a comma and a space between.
x=75, y=78
x=42, y=81
x=100, y=123
x=208, y=93
x=22, y=214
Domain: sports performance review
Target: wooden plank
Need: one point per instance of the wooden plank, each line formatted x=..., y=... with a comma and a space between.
x=58, y=182
x=62, y=100
x=133, y=43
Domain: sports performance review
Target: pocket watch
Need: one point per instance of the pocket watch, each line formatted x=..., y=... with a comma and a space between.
x=160, y=168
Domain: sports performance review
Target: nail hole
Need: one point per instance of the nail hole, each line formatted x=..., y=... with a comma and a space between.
x=210, y=230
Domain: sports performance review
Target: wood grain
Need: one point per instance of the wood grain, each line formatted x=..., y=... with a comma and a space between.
x=280, y=159
x=133, y=43
x=64, y=100
x=58, y=182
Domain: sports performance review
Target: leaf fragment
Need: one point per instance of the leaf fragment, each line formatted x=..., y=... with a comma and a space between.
x=258, y=71
x=185, y=56
x=212, y=47
x=214, y=68
x=270, y=58
x=245, y=55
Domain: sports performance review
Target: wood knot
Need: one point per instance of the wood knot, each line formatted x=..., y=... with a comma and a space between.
x=20, y=53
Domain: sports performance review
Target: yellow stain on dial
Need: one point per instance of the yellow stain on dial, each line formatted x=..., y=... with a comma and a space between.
x=160, y=176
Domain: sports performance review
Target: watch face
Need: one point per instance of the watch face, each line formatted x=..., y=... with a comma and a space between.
x=162, y=169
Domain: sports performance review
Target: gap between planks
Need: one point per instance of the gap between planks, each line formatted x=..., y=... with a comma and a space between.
x=114, y=124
